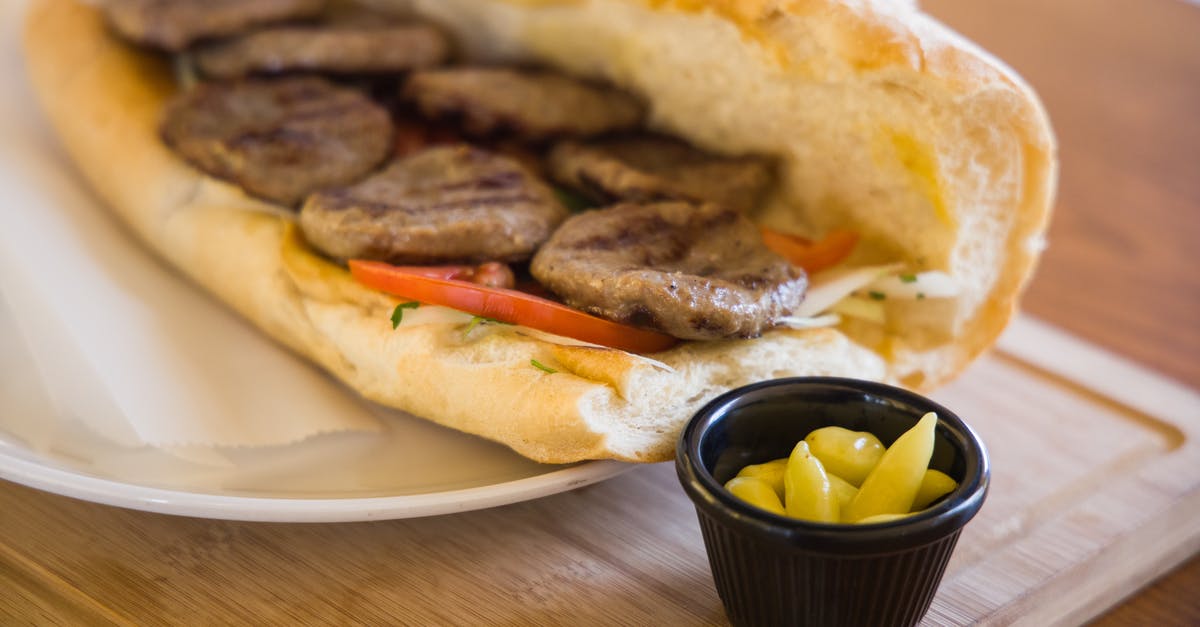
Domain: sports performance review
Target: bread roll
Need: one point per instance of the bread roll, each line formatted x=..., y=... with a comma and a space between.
x=883, y=120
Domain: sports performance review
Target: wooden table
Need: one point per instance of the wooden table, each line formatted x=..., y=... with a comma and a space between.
x=1121, y=79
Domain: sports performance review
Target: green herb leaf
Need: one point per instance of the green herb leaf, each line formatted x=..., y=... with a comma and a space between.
x=478, y=320
x=876, y=295
x=920, y=295
x=908, y=278
x=574, y=202
x=398, y=312
x=475, y=321
x=543, y=367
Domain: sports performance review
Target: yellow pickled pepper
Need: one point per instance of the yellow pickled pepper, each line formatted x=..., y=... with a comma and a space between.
x=842, y=489
x=756, y=492
x=771, y=472
x=848, y=454
x=893, y=483
x=808, y=491
x=882, y=518
x=934, y=485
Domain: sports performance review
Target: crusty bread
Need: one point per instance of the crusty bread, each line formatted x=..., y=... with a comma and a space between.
x=884, y=121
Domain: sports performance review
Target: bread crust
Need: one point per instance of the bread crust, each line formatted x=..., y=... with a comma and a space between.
x=600, y=403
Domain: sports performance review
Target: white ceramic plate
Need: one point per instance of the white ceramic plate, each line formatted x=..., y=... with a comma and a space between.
x=413, y=468
x=275, y=501
x=73, y=475
x=290, y=486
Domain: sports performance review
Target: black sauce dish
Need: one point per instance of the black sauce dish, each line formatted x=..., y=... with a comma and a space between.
x=774, y=570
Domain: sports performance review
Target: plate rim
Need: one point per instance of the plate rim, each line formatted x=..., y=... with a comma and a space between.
x=213, y=505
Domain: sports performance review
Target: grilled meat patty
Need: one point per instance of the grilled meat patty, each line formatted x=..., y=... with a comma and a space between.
x=695, y=271
x=175, y=24
x=441, y=204
x=647, y=168
x=348, y=47
x=279, y=140
x=533, y=105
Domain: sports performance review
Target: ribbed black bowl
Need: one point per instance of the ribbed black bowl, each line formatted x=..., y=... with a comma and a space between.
x=774, y=570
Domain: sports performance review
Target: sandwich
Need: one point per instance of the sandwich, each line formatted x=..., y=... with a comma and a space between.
x=565, y=225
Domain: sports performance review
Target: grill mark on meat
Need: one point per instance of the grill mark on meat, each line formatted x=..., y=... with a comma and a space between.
x=534, y=105
x=641, y=316
x=694, y=271
x=752, y=281
x=634, y=231
x=383, y=207
x=441, y=204
x=491, y=180
x=647, y=168
x=175, y=24
x=669, y=245
x=329, y=109
x=358, y=43
x=279, y=139
x=717, y=219
x=704, y=325
x=495, y=182
x=589, y=186
x=294, y=138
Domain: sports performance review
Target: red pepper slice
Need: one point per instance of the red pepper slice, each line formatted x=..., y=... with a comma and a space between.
x=812, y=256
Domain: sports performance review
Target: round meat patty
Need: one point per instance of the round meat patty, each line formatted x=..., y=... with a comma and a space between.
x=344, y=48
x=279, y=140
x=646, y=168
x=533, y=105
x=175, y=24
x=696, y=272
x=439, y=205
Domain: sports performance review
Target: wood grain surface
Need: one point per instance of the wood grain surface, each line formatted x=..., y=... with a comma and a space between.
x=1121, y=79
x=1092, y=494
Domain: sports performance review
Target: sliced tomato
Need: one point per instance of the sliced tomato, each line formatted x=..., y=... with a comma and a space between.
x=491, y=274
x=812, y=256
x=509, y=306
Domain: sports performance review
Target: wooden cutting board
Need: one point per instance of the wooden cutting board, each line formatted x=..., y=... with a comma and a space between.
x=1096, y=482
x=1096, y=489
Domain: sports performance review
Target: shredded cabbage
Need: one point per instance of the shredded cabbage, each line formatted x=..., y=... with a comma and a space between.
x=845, y=291
x=827, y=288
x=861, y=308
x=796, y=322
x=931, y=284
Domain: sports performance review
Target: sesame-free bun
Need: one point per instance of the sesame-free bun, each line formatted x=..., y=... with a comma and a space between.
x=883, y=120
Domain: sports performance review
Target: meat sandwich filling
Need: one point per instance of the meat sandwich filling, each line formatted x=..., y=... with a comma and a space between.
x=390, y=149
